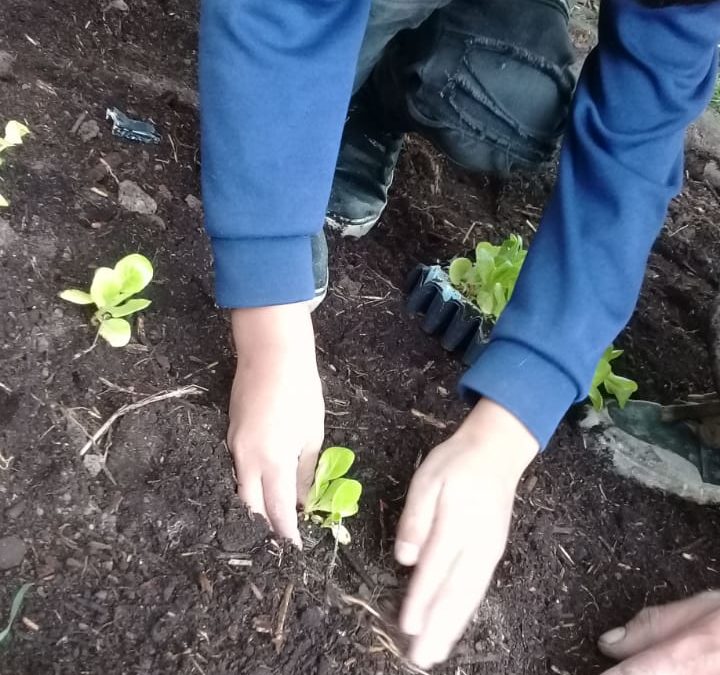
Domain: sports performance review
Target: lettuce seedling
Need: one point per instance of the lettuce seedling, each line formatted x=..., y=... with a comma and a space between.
x=111, y=292
x=14, y=611
x=332, y=494
x=490, y=280
x=621, y=388
x=14, y=132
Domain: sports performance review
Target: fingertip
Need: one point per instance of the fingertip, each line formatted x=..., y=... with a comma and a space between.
x=407, y=553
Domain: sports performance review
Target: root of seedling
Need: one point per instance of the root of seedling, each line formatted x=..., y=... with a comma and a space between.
x=191, y=390
x=388, y=637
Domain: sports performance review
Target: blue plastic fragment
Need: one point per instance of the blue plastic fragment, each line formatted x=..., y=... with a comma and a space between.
x=130, y=129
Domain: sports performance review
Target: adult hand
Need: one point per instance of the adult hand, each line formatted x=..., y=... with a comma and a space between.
x=276, y=412
x=455, y=525
x=681, y=638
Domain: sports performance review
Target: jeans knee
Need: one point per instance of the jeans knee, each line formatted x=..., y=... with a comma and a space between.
x=494, y=101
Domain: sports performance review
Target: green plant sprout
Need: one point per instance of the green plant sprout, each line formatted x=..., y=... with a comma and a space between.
x=332, y=494
x=715, y=100
x=621, y=388
x=14, y=611
x=14, y=132
x=111, y=292
x=490, y=281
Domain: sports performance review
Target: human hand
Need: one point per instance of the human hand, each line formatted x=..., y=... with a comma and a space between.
x=455, y=524
x=681, y=638
x=276, y=412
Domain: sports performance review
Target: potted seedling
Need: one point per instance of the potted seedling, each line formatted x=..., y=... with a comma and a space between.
x=111, y=292
x=14, y=132
x=333, y=497
x=461, y=302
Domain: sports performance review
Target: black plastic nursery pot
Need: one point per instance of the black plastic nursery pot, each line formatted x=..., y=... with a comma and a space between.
x=446, y=313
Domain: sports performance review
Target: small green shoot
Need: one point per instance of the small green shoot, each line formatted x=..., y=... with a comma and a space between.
x=621, y=388
x=332, y=494
x=111, y=292
x=14, y=611
x=490, y=280
x=715, y=100
x=14, y=132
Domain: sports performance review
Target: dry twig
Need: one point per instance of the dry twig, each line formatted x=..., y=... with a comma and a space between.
x=191, y=390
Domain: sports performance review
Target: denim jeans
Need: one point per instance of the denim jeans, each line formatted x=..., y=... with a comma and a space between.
x=487, y=81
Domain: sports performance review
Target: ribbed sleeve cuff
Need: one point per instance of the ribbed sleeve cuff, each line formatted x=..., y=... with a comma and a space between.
x=261, y=272
x=525, y=383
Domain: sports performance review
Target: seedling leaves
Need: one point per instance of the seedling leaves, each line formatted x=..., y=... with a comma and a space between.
x=14, y=610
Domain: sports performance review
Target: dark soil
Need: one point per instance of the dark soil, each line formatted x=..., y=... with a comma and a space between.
x=152, y=566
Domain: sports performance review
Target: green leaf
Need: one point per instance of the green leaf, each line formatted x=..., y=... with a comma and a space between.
x=459, y=269
x=129, y=307
x=622, y=388
x=105, y=288
x=14, y=132
x=115, y=331
x=76, y=296
x=3, y=202
x=341, y=498
x=334, y=463
x=134, y=272
x=14, y=610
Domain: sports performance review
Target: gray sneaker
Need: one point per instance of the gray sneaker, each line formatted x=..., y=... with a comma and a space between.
x=364, y=171
x=320, y=269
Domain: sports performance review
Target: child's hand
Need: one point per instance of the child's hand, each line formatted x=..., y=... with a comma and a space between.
x=455, y=526
x=276, y=412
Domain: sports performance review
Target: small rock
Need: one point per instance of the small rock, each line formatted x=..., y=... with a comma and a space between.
x=7, y=235
x=6, y=65
x=119, y=5
x=163, y=194
x=94, y=464
x=16, y=510
x=88, y=130
x=193, y=202
x=158, y=221
x=12, y=552
x=711, y=173
x=133, y=198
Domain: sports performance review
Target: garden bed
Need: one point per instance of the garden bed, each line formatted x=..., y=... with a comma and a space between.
x=152, y=566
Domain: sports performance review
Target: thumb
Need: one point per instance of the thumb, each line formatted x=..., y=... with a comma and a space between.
x=654, y=625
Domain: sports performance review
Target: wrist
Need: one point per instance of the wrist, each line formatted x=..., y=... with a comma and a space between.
x=272, y=327
x=494, y=429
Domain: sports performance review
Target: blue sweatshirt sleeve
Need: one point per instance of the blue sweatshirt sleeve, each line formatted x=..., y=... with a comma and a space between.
x=275, y=83
x=652, y=73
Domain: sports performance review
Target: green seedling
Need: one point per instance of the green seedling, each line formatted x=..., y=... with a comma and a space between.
x=489, y=283
x=14, y=611
x=111, y=292
x=14, y=132
x=332, y=494
x=715, y=101
x=621, y=388
x=490, y=280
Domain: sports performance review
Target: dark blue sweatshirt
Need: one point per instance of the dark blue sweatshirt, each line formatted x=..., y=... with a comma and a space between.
x=275, y=82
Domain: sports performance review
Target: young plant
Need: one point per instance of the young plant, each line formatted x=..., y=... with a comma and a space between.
x=490, y=280
x=111, y=292
x=621, y=388
x=14, y=132
x=332, y=494
x=14, y=611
